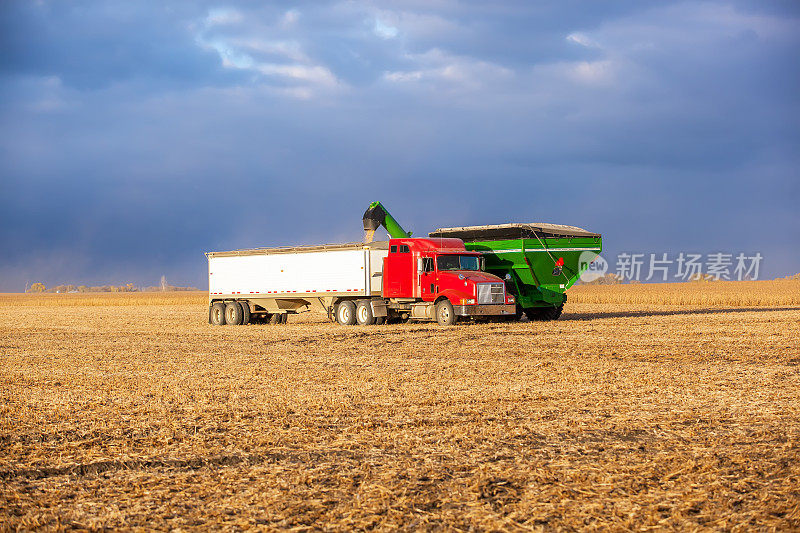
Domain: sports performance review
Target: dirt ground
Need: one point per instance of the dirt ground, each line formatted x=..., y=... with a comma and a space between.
x=131, y=411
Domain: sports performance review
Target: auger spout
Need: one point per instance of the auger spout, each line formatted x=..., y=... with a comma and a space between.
x=377, y=215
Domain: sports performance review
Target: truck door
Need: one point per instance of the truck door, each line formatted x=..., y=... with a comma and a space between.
x=398, y=278
x=427, y=280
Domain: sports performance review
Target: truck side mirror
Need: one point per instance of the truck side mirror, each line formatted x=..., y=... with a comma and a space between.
x=420, y=268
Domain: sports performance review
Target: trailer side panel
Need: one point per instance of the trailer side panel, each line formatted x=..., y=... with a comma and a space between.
x=336, y=271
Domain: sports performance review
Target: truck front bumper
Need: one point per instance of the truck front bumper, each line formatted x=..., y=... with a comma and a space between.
x=484, y=310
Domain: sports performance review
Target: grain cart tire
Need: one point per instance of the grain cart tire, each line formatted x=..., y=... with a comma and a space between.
x=217, y=314
x=245, y=312
x=544, y=313
x=233, y=313
x=346, y=313
x=364, y=315
x=534, y=313
x=275, y=318
x=445, y=315
x=554, y=313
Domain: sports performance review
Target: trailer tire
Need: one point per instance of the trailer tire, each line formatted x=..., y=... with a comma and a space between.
x=274, y=318
x=380, y=320
x=364, y=315
x=445, y=315
x=233, y=313
x=284, y=318
x=217, y=313
x=245, y=312
x=346, y=313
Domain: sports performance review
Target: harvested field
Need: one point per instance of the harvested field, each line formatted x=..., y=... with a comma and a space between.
x=712, y=294
x=630, y=412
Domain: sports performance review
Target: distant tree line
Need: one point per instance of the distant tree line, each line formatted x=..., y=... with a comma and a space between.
x=39, y=287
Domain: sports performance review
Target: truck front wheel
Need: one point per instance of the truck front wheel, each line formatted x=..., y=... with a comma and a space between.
x=364, y=315
x=346, y=313
x=445, y=315
x=218, y=314
x=233, y=313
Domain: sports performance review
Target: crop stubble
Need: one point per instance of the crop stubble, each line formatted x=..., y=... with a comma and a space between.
x=129, y=411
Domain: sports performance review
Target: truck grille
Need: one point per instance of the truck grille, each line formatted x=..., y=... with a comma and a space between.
x=491, y=293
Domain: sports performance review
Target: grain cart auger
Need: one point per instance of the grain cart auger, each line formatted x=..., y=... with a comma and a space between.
x=375, y=216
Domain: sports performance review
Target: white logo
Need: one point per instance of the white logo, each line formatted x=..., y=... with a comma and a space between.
x=591, y=266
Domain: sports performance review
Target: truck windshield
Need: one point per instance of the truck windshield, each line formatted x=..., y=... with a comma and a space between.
x=457, y=262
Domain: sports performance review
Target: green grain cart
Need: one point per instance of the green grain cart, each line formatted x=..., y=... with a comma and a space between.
x=538, y=261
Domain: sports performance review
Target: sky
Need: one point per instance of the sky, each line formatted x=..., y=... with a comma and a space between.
x=135, y=136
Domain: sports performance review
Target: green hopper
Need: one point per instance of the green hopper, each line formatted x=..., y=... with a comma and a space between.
x=538, y=261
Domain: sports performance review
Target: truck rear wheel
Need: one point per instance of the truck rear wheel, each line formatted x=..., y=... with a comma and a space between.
x=364, y=315
x=445, y=315
x=544, y=313
x=346, y=313
x=233, y=313
x=217, y=314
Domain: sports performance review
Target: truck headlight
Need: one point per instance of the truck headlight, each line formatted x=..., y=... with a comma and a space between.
x=468, y=301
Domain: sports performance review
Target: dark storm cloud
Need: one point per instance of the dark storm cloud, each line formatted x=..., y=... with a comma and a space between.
x=133, y=137
x=91, y=45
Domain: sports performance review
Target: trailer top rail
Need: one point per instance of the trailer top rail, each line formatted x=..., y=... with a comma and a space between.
x=376, y=245
x=499, y=232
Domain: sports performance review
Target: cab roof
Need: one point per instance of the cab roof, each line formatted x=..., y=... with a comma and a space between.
x=433, y=244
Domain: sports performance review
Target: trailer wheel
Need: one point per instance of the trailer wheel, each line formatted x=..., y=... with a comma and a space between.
x=284, y=318
x=246, y=314
x=218, y=314
x=364, y=315
x=445, y=315
x=233, y=313
x=380, y=320
x=274, y=318
x=346, y=313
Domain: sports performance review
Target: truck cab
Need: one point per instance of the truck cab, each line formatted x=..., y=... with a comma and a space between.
x=429, y=270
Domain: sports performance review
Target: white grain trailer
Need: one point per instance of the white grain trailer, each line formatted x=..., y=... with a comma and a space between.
x=267, y=284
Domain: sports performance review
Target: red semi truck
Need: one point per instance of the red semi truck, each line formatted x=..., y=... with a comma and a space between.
x=357, y=283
